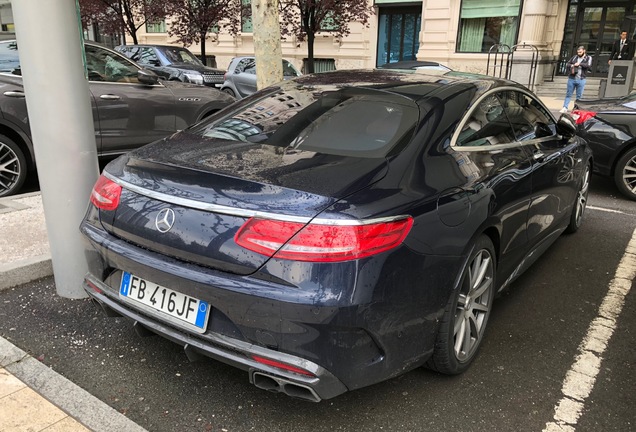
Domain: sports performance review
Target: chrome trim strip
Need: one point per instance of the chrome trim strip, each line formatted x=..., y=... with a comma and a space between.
x=233, y=211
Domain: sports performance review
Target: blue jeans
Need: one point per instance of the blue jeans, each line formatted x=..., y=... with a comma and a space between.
x=573, y=83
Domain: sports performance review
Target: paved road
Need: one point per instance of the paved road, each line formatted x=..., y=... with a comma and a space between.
x=515, y=384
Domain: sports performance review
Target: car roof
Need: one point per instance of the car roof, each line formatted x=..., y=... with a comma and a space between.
x=411, y=64
x=153, y=45
x=414, y=84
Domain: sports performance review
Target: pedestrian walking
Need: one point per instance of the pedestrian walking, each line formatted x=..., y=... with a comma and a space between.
x=577, y=68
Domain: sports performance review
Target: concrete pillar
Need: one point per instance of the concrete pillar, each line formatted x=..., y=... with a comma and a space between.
x=267, y=48
x=58, y=102
x=532, y=29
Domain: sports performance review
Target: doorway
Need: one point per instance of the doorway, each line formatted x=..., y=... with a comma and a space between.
x=398, y=31
x=595, y=25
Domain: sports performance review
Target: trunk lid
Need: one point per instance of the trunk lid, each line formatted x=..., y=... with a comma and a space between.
x=187, y=196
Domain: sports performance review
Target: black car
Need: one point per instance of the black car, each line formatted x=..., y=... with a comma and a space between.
x=609, y=126
x=173, y=63
x=339, y=229
x=130, y=108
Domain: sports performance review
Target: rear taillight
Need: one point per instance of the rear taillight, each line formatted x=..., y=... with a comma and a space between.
x=581, y=116
x=105, y=194
x=321, y=242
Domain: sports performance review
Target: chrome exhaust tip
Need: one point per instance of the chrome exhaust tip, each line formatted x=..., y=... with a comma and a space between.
x=281, y=385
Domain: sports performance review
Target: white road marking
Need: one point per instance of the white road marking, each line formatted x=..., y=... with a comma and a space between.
x=608, y=210
x=580, y=379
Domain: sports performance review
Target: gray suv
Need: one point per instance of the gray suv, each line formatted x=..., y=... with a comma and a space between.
x=173, y=63
x=240, y=78
x=131, y=107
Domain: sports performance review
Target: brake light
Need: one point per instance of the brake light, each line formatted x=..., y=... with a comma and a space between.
x=105, y=194
x=283, y=366
x=321, y=242
x=581, y=116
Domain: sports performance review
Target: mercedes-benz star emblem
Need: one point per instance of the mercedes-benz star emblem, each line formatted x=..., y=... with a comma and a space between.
x=164, y=220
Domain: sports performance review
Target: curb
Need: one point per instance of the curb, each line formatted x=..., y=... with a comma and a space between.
x=69, y=397
x=21, y=272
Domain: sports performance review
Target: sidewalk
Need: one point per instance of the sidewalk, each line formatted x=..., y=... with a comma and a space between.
x=32, y=396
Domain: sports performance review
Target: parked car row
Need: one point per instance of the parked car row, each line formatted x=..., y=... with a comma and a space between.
x=331, y=231
x=131, y=107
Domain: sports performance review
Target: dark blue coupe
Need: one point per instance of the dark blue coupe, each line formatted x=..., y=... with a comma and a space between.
x=338, y=230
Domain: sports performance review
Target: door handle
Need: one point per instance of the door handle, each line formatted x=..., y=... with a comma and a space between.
x=109, y=97
x=14, y=94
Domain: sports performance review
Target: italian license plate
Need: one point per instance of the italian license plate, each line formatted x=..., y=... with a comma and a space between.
x=180, y=308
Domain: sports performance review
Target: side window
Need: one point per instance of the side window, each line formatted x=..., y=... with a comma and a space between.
x=486, y=125
x=107, y=66
x=147, y=56
x=247, y=65
x=289, y=70
x=528, y=118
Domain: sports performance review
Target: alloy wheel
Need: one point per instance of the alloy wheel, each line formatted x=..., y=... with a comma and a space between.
x=473, y=305
x=581, y=199
x=629, y=174
x=9, y=168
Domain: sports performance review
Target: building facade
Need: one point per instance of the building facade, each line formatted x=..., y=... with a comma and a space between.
x=457, y=33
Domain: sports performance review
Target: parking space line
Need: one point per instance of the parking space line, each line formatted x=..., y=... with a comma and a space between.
x=608, y=210
x=579, y=380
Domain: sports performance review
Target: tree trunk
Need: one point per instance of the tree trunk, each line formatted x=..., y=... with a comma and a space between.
x=267, y=49
x=310, y=52
x=203, y=57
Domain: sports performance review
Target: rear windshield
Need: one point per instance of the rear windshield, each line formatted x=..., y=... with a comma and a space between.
x=349, y=122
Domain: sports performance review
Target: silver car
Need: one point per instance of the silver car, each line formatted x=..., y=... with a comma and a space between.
x=240, y=78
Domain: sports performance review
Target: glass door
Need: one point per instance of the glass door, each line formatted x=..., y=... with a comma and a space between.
x=398, y=31
x=600, y=27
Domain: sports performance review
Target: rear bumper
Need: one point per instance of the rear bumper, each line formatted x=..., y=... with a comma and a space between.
x=350, y=330
x=324, y=385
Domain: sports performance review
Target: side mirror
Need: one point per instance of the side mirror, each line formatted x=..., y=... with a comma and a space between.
x=147, y=77
x=542, y=130
x=566, y=126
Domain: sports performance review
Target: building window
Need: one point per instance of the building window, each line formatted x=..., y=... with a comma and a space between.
x=320, y=65
x=328, y=23
x=156, y=27
x=485, y=23
x=398, y=34
x=246, y=16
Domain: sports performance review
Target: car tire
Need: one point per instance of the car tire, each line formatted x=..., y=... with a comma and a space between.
x=580, y=203
x=464, y=322
x=625, y=174
x=229, y=91
x=13, y=167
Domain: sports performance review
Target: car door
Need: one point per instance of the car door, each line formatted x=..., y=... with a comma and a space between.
x=555, y=160
x=245, y=76
x=130, y=113
x=13, y=108
x=498, y=173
